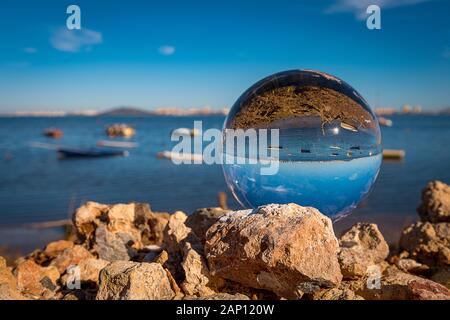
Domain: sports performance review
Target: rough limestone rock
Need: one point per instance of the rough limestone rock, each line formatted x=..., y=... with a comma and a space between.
x=196, y=272
x=202, y=219
x=56, y=247
x=69, y=257
x=176, y=236
x=89, y=270
x=154, y=234
x=33, y=279
x=336, y=294
x=398, y=285
x=88, y=217
x=118, y=218
x=161, y=258
x=126, y=280
x=435, y=205
x=442, y=276
x=288, y=249
x=112, y=246
x=411, y=266
x=361, y=246
x=176, y=232
x=8, y=283
x=427, y=243
x=220, y=296
x=427, y=290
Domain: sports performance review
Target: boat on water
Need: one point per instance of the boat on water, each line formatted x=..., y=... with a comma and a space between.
x=393, y=154
x=90, y=153
x=385, y=122
x=53, y=133
x=117, y=144
x=120, y=130
x=180, y=156
x=185, y=132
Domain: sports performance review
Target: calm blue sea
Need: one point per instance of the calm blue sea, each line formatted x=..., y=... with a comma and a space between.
x=36, y=186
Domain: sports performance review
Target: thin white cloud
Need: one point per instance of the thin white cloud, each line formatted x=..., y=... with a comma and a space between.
x=166, y=50
x=30, y=50
x=358, y=7
x=67, y=40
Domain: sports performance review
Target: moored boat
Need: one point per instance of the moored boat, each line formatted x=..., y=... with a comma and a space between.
x=53, y=133
x=185, y=132
x=89, y=153
x=117, y=144
x=120, y=130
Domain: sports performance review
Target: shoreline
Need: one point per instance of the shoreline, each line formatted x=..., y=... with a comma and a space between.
x=127, y=251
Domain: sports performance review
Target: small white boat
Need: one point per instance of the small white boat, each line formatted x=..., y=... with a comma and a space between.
x=117, y=144
x=185, y=132
x=385, y=122
x=180, y=156
x=348, y=127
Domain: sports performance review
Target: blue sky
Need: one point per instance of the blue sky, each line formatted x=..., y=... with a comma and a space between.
x=194, y=53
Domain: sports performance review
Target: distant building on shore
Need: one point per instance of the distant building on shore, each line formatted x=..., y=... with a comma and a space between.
x=406, y=108
x=417, y=109
x=385, y=111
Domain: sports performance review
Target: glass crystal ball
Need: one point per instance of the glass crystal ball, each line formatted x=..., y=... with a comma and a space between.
x=329, y=144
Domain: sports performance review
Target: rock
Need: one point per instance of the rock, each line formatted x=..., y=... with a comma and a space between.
x=113, y=246
x=398, y=285
x=361, y=246
x=173, y=284
x=202, y=219
x=288, y=249
x=88, y=217
x=435, y=205
x=118, y=219
x=33, y=279
x=428, y=290
x=219, y=296
x=8, y=284
x=196, y=272
x=161, y=258
x=121, y=220
x=176, y=235
x=427, y=243
x=69, y=257
x=175, y=232
x=411, y=266
x=125, y=280
x=89, y=271
x=336, y=294
x=154, y=234
x=442, y=276
x=56, y=247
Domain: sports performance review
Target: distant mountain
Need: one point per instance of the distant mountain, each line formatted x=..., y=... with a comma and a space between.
x=130, y=111
x=125, y=111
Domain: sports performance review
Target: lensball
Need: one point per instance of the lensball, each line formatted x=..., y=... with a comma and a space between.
x=329, y=150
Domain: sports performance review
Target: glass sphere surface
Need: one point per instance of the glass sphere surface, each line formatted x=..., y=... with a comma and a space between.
x=329, y=146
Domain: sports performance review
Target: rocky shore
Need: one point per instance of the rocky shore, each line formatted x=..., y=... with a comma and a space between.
x=127, y=251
